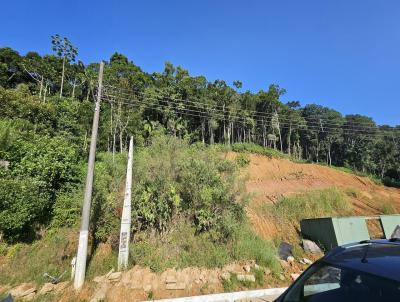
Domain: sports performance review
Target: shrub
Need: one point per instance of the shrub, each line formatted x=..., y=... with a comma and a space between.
x=175, y=179
x=23, y=204
x=242, y=160
x=53, y=160
x=67, y=208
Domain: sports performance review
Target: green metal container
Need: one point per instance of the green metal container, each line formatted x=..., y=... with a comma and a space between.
x=331, y=232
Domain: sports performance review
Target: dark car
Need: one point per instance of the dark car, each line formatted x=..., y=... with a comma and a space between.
x=364, y=271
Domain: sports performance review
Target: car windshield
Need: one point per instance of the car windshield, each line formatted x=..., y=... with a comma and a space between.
x=327, y=283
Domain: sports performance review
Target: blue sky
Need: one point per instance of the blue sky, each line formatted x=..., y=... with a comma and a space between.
x=337, y=53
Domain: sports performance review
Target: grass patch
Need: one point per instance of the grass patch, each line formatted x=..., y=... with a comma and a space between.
x=388, y=209
x=102, y=262
x=25, y=262
x=253, y=148
x=181, y=247
x=321, y=203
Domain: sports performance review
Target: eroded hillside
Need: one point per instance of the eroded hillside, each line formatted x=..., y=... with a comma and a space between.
x=270, y=179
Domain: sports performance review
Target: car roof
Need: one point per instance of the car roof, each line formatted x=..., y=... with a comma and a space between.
x=377, y=257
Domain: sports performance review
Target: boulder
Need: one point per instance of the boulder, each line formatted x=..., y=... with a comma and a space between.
x=226, y=276
x=285, y=250
x=47, y=287
x=247, y=268
x=59, y=287
x=307, y=261
x=175, y=286
x=311, y=247
x=22, y=290
x=290, y=259
x=248, y=278
x=29, y=297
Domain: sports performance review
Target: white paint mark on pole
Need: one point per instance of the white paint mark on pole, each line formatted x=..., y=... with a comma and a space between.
x=124, y=237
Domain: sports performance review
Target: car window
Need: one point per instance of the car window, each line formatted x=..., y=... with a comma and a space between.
x=326, y=283
x=325, y=279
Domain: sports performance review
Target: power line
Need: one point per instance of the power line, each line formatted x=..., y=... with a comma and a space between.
x=268, y=116
x=222, y=116
x=194, y=113
x=352, y=129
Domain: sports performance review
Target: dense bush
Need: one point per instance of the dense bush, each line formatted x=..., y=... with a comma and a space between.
x=53, y=160
x=174, y=179
x=19, y=105
x=23, y=205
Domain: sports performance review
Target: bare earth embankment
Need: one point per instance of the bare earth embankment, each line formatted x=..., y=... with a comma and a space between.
x=270, y=179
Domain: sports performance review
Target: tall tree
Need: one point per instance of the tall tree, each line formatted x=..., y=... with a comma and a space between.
x=66, y=51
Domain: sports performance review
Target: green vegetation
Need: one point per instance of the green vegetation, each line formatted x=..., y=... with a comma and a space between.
x=188, y=201
x=322, y=203
x=242, y=160
x=28, y=262
x=257, y=149
x=181, y=247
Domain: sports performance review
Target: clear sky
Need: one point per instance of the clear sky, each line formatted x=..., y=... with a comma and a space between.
x=344, y=54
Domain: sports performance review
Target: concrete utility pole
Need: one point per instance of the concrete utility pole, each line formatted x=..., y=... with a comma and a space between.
x=80, y=268
x=124, y=236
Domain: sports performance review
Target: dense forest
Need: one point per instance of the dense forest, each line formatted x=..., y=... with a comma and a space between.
x=47, y=102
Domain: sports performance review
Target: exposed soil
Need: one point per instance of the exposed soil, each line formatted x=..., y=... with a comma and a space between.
x=271, y=178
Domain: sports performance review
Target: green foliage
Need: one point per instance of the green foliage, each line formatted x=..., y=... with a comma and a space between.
x=53, y=160
x=19, y=105
x=175, y=179
x=242, y=160
x=23, y=204
x=108, y=195
x=327, y=202
x=67, y=208
x=182, y=247
x=28, y=262
x=257, y=149
x=391, y=182
x=247, y=245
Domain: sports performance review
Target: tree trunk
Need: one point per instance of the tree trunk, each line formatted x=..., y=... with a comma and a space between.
x=203, y=129
x=62, y=77
x=73, y=89
x=41, y=87
x=121, y=143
